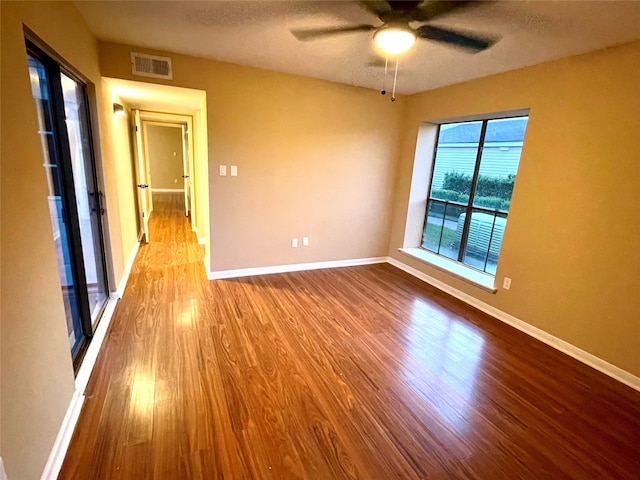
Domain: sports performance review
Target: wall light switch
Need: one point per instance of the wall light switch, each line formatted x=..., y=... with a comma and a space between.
x=234, y=170
x=305, y=241
x=223, y=170
x=294, y=243
x=506, y=283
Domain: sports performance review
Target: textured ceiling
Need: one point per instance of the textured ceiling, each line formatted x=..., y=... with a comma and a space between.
x=258, y=34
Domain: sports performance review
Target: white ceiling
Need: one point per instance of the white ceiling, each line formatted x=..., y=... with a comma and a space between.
x=256, y=33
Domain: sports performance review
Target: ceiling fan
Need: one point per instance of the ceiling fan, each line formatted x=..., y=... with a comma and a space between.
x=395, y=35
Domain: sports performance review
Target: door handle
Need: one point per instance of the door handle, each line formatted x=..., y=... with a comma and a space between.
x=143, y=185
x=185, y=176
x=98, y=199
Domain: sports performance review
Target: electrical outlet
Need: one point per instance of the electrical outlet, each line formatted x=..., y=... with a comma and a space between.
x=305, y=241
x=294, y=243
x=506, y=283
x=175, y=180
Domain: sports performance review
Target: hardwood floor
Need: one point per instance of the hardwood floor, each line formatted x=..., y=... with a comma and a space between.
x=361, y=372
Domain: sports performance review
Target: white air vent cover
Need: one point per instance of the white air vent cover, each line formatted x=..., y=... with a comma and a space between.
x=151, y=66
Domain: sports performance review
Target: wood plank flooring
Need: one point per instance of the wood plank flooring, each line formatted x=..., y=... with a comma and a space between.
x=360, y=372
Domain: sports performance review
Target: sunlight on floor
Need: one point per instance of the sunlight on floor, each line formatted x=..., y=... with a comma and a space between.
x=451, y=352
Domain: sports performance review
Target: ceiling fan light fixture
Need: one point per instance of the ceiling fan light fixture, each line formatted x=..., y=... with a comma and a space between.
x=394, y=40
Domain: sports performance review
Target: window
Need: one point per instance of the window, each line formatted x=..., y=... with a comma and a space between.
x=74, y=200
x=474, y=170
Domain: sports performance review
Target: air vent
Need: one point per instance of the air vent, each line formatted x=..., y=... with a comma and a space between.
x=151, y=66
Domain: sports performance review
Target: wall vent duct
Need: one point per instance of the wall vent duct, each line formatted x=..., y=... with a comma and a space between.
x=151, y=66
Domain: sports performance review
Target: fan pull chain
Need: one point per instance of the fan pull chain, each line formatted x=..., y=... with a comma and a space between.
x=395, y=78
x=384, y=79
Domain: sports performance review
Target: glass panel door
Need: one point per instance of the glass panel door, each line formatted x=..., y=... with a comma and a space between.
x=74, y=200
x=87, y=195
x=57, y=212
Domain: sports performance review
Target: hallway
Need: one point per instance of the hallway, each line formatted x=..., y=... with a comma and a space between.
x=359, y=372
x=140, y=371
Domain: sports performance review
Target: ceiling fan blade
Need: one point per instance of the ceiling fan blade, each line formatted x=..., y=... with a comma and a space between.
x=403, y=6
x=435, y=9
x=314, y=33
x=473, y=44
x=378, y=8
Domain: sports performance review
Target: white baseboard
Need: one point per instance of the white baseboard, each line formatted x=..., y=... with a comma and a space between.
x=167, y=190
x=60, y=446
x=201, y=239
x=89, y=360
x=295, y=267
x=585, y=357
x=127, y=269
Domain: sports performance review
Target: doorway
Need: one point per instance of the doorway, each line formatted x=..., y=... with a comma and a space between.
x=75, y=201
x=164, y=161
x=167, y=149
x=176, y=105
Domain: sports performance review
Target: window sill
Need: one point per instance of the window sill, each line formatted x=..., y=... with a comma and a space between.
x=471, y=275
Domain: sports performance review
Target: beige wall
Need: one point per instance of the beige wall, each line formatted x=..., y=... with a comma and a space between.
x=201, y=181
x=319, y=159
x=111, y=164
x=37, y=375
x=315, y=158
x=165, y=157
x=36, y=370
x=572, y=241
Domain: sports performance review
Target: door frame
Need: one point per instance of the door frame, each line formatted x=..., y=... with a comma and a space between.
x=143, y=185
x=175, y=119
x=186, y=184
x=186, y=171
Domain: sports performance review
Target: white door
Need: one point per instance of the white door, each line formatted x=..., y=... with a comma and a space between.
x=141, y=178
x=192, y=173
x=185, y=170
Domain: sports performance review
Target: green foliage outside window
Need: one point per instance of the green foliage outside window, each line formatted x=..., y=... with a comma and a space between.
x=488, y=186
x=487, y=202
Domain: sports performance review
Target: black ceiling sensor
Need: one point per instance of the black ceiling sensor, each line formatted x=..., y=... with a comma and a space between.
x=399, y=14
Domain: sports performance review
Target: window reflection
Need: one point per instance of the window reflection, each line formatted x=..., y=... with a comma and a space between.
x=450, y=351
x=142, y=395
x=185, y=313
